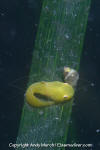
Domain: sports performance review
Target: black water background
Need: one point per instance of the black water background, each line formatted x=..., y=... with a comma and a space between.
x=18, y=25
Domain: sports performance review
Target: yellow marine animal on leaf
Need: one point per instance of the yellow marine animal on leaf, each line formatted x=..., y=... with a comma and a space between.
x=43, y=93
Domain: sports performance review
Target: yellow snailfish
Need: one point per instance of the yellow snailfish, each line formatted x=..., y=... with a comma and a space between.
x=55, y=92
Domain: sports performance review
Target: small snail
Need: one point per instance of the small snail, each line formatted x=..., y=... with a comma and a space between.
x=71, y=76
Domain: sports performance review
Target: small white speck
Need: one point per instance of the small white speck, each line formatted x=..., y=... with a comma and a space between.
x=92, y=84
x=66, y=36
x=98, y=130
x=57, y=118
x=41, y=112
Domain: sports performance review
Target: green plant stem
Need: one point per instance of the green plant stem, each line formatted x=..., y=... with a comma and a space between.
x=59, y=43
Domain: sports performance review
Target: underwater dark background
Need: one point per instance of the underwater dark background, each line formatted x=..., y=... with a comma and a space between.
x=18, y=26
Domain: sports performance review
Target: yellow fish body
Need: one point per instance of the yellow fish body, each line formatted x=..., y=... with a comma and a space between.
x=55, y=91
